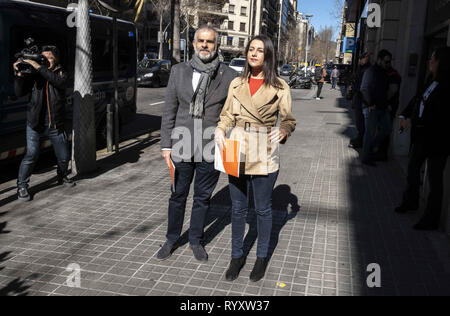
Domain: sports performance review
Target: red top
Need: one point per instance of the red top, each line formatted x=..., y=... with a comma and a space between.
x=255, y=84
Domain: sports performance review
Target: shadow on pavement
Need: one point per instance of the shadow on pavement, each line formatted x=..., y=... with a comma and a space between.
x=219, y=217
x=15, y=287
x=130, y=154
x=411, y=262
x=144, y=123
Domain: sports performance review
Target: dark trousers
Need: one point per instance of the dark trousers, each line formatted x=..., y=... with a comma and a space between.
x=319, y=88
x=384, y=146
x=359, y=116
x=206, y=178
x=378, y=127
x=59, y=142
x=436, y=165
x=262, y=193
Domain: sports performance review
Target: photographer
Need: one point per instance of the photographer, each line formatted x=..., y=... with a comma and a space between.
x=45, y=114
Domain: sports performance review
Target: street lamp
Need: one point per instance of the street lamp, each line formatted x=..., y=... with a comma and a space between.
x=308, y=16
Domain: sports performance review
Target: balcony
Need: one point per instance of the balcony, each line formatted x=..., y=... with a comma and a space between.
x=213, y=9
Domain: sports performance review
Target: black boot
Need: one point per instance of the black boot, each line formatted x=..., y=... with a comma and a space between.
x=234, y=268
x=258, y=270
x=66, y=181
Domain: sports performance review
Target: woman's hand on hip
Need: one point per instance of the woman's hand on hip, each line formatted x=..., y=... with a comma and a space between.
x=278, y=135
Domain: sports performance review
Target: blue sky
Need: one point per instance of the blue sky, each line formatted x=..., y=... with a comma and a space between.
x=321, y=10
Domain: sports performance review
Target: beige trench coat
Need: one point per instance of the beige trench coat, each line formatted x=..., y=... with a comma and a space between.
x=252, y=118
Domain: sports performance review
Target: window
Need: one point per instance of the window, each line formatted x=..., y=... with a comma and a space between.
x=165, y=65
x=241, y=42
x=244, y=11
x=231, y=8
x=242, y=28
x=230, y=41
x=230, y=25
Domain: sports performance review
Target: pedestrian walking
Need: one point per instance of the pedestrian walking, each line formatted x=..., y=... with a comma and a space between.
x=334, y=77
x=364, y=64
x=45, y=115
x=374, y=89
x=255, y=102
x=320, y=76
x=428, y=115
x=195, y=95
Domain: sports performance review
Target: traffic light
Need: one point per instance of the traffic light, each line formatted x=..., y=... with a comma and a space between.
x=118, y=6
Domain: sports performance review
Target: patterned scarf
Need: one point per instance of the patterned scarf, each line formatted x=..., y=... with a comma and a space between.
x=196, y=107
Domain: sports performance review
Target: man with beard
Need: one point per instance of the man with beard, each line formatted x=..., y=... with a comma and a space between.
x=195, y=95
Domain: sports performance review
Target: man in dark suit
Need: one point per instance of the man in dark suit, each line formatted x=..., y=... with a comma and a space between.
x=427, y=116
x=195, y=95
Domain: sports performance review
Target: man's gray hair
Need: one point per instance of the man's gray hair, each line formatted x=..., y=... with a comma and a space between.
x=208, y=28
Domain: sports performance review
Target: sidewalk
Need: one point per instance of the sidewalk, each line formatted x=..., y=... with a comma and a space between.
x=332, y=218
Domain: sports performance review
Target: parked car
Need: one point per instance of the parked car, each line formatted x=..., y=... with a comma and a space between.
x=286, y=70
x=153, y=72
x=238, y=64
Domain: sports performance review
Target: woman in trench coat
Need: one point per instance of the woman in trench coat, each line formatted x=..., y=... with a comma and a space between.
x=256, y=101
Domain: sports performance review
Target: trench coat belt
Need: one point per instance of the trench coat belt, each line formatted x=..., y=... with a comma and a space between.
x=253, y=127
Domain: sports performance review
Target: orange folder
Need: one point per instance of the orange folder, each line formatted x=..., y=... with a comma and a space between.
x=228, y=159
x=172, y=175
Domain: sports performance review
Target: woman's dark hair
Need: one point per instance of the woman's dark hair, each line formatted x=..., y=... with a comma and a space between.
x=269, y=65
x=442, y=55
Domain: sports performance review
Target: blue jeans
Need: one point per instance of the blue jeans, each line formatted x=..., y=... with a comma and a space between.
x=206, y=178
x=378, y=126
x=59, y=142
x=333, y=83
x=262, y=192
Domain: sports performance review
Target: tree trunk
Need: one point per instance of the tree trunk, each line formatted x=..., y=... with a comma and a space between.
x=176, y=31
x=161, y=36
x=186, y=50
x=83, y=142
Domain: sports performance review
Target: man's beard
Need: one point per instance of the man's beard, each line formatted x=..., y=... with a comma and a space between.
x=206, y=58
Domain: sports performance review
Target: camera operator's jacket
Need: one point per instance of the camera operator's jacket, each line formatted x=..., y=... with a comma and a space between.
x=54, y=82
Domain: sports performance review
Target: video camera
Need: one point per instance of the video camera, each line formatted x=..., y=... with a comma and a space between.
x=31, y=52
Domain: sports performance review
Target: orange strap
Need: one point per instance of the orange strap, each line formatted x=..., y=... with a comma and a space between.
x=48, y=108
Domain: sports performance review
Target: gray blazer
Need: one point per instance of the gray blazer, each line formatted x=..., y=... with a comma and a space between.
x=176, y=119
